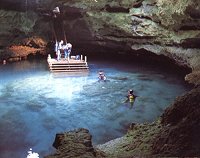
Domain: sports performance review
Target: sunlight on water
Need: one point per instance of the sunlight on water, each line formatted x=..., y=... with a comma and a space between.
x=35, y=104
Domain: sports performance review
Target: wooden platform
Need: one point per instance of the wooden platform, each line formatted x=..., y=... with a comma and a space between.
x=68, y=65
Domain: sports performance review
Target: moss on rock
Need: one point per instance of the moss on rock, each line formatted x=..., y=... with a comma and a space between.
x=137, y=142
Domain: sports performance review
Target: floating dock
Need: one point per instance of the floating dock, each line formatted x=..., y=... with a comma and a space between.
x=72, y=64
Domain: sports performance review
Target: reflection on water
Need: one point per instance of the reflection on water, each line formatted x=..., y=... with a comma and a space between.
x=35, y=104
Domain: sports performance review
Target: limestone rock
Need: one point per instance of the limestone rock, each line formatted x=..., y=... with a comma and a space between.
x=193, y=78
x=158, y=26
x=16, y=29
x=26, y=48
x=181, y=127
x=75, y=144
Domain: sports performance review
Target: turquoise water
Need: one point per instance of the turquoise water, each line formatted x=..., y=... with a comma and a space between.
x=36, y=104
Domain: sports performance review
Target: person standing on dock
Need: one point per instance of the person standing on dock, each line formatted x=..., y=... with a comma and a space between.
x=60, y=47
x=65, y=48
x=56, y=47
x=69, y=46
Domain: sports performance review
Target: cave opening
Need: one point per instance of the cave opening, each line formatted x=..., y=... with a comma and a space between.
x=43, y=100
x=142, y=57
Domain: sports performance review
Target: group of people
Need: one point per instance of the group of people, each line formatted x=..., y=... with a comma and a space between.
x=131, y=95
x=61, y=47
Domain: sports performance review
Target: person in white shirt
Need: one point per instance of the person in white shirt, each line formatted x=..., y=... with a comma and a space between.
x=59, y=49
x=69, y=49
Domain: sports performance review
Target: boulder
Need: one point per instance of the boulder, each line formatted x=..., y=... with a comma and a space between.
x=179, y=136
x=75, y=144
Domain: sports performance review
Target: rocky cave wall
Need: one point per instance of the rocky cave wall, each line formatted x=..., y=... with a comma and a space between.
x=22, y=29
x=158, y=26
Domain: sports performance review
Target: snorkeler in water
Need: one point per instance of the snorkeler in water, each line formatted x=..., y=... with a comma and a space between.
x=102, y=76
x=131, y=97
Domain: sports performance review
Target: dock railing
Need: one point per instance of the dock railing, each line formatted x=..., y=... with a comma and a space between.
x=72, y=64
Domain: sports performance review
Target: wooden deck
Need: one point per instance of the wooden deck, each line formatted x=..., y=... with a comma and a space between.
x=68, y=65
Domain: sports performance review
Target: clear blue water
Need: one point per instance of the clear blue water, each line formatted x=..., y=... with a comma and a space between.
x=36, y=104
